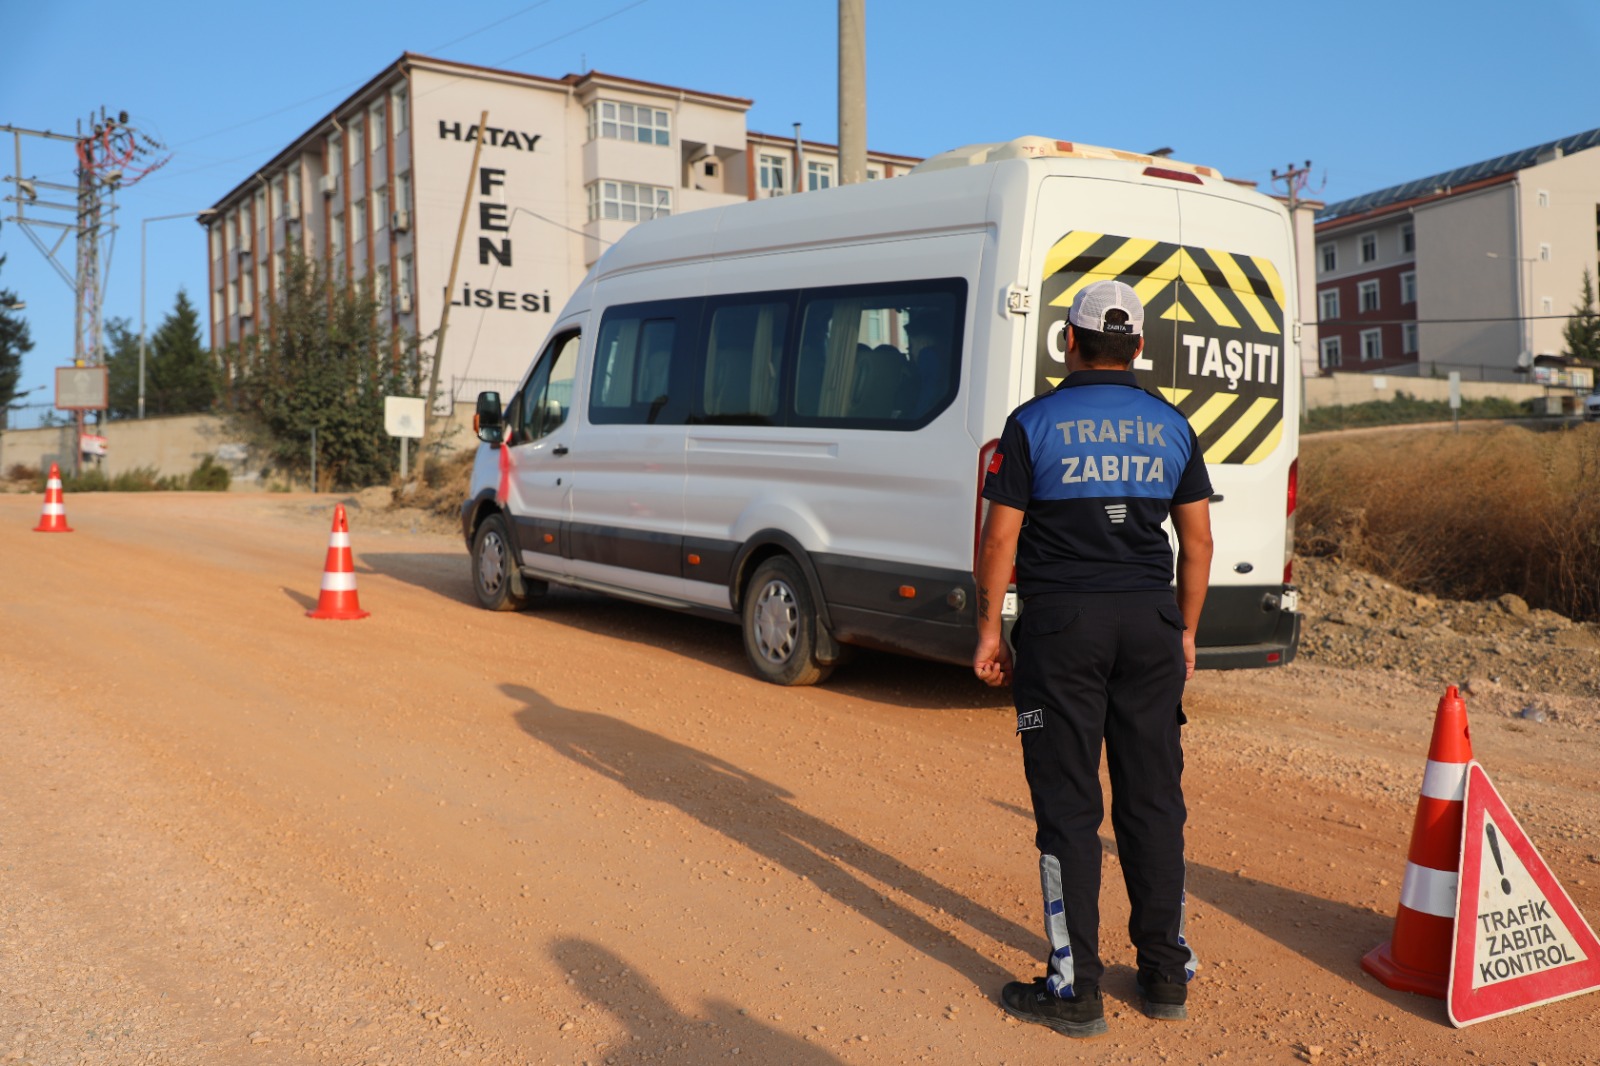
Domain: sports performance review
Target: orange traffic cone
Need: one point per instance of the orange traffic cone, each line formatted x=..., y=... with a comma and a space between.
x=339, y=599
x=53, y=519
x=1417, y=957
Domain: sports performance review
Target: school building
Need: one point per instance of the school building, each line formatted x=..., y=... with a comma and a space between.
x=379, y=187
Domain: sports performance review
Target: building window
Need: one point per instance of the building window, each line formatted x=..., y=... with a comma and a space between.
x=1408, y=287
x=358, y=139
x=359, y=223
x=403, y=281
x=1371, y=345
x=629, y=122
x=380, y=285
x=773, y=173
x=874, y=173
x=397, y=108
x=216, y=306
x=1544, y=253
x=335, y=154
x=818, y=175
x=1369, y=295
x=628, y=202
x=376, y=124
x=1408, y=335
x=1330, y=257
x=1328, y=304
x=216, y=242
x=1369, y=247
x=1331, y=356
x=1408, y=238
x=402, y=191
x=1544, y=197
x=380, y=208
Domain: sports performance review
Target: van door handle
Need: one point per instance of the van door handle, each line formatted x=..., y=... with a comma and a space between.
x=559, y=449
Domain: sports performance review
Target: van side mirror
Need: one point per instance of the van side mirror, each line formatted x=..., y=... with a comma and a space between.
x=488, y=422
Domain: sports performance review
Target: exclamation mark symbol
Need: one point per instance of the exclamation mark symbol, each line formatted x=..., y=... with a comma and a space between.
x=1494, y=848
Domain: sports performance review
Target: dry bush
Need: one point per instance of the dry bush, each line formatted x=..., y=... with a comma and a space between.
x=1469, y=516
x=443, y=486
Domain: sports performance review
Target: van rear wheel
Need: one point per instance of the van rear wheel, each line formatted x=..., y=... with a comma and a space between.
x=780, y=625
x=494, y=578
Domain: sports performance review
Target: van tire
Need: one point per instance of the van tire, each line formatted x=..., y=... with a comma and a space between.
x=780, y=625
x=494, y=575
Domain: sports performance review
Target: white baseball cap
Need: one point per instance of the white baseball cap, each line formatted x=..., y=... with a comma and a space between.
x=1089, y=309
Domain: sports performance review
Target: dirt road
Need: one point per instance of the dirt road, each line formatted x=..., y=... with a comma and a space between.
x=232, y=834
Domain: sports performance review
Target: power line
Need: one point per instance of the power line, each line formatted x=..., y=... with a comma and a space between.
x=1437, y=321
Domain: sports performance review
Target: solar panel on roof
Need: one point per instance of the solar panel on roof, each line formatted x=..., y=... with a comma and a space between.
x=1489, y=168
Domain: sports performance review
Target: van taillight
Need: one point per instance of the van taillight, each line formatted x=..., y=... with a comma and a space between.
x=985, y=457
x=1288, y=533
x=1172, y=175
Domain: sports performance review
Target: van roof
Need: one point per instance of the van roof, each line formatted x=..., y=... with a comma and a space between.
x=1034, y=147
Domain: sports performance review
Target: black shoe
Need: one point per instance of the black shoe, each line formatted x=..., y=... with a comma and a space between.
x=1084, y=1015
x=1163, y=999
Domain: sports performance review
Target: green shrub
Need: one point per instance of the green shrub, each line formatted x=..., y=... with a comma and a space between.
x=209, y=476
x=1405, y=408
x=139, y=479
x=91, y=480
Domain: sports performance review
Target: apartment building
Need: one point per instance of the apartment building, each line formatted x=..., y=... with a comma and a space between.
x=377, y=190
x=1472, y=270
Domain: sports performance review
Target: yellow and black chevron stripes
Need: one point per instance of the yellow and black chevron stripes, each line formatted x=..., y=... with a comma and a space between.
x=1214, y=333
x=1231, y=428
x=1218, y=287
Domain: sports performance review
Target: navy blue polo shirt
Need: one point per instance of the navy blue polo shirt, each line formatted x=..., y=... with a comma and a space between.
x=1095, y=466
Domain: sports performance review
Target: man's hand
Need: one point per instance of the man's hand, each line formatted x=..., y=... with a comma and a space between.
x=992, y=662
x=1188, y=654
x=997, y=549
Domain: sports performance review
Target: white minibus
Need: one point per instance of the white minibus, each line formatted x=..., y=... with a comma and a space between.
x=779, y=413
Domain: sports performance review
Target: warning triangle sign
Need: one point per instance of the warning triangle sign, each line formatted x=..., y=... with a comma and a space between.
x=1519, y=941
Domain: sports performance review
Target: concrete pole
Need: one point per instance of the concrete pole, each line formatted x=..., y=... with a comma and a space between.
x=852, y=91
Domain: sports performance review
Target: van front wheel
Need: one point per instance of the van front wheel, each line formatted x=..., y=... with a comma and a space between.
x=780, y=625
x=492, y=563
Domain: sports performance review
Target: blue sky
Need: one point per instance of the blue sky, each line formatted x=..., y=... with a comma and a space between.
x=1372, y=93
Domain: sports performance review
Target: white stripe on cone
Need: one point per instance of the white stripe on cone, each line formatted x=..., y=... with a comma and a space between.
x=1430, y=891
x=1445, y=781
x=338, y=581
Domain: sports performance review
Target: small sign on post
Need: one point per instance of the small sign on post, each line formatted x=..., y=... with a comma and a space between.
x=83, y=388
x=404, y=417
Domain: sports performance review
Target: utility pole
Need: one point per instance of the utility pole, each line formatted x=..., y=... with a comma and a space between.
x=1294, y=179
x=110, y=156
x=852, y=91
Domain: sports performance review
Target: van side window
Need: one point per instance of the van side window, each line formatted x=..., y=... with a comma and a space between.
x=637, y=373
x=743, y=359
x=545, y=401
x=885, y=357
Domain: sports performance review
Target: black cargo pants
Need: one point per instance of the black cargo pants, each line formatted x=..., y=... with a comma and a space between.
x=1106, y=668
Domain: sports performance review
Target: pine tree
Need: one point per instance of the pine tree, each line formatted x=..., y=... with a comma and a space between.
x=1582, y=334
x=180, y=376
x=15, y=342
x=325, y=365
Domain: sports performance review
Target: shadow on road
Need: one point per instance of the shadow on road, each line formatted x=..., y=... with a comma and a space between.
x=757, y=815
x=881, y=677
x=605, y=979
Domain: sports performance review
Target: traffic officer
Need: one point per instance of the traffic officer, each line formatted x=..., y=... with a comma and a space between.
x=1078, y=489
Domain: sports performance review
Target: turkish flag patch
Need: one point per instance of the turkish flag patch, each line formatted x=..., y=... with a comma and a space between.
x=994, y=463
